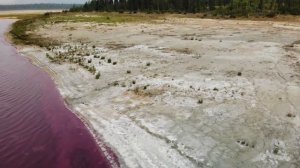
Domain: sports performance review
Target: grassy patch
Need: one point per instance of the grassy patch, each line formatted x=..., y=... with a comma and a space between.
x=22, y=30
x=103, y=17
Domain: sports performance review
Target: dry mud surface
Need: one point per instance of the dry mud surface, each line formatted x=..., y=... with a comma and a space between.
x=184, y=92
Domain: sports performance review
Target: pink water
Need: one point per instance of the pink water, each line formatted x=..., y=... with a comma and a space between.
x=36, y=129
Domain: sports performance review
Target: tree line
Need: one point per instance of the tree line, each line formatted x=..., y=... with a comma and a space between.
x=218, y=7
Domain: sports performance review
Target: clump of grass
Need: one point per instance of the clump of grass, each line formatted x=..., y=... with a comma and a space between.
x=98, y=75
x=239, y=74
x=134, y=82
x=291, y=115
x=148, y=64
x=116, y=83
x=114, y=63
x=276, y=150
x=128, y=72
x=94, y=46
x=90, y=61
x=200, y=101
x=28, y=23
x=49, y=57
x=109, y=60
x=103, y=58
x=92, y=69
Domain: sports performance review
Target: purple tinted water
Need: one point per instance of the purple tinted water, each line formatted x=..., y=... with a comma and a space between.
x=36, y=129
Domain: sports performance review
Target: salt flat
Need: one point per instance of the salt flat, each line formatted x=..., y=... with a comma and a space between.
x=183, y=92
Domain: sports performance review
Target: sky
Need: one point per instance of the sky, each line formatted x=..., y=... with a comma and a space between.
x=39, y=1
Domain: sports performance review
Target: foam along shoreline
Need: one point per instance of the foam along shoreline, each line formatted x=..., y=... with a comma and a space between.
x=202, y=93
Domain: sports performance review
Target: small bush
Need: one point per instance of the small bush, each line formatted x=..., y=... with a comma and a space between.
x=98, y=75
x=276, y=151
x=148, y=64
x=92, y=69
x=47, y=14
x=109, y=60
x=116, y=83
x=128, y=72
x=271, y=14
x=290, y=115
x=102, y=57
x=90, y=61
x=114, y=63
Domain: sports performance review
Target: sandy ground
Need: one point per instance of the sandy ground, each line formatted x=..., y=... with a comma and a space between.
x=185, y=92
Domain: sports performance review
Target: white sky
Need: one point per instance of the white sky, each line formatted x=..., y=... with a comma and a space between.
x=40, y=1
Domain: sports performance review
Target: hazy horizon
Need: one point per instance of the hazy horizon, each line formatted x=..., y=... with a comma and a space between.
x=19, y=2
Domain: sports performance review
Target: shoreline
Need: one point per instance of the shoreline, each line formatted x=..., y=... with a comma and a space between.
x=52, y=74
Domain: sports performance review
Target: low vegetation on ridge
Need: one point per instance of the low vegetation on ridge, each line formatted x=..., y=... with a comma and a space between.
x=22, y=29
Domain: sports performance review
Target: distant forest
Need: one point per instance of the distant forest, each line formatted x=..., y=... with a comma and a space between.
x=217, y=7
x=35, y=7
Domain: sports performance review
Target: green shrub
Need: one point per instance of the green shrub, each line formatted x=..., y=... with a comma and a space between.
x=98, y=75
x=92, y=69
